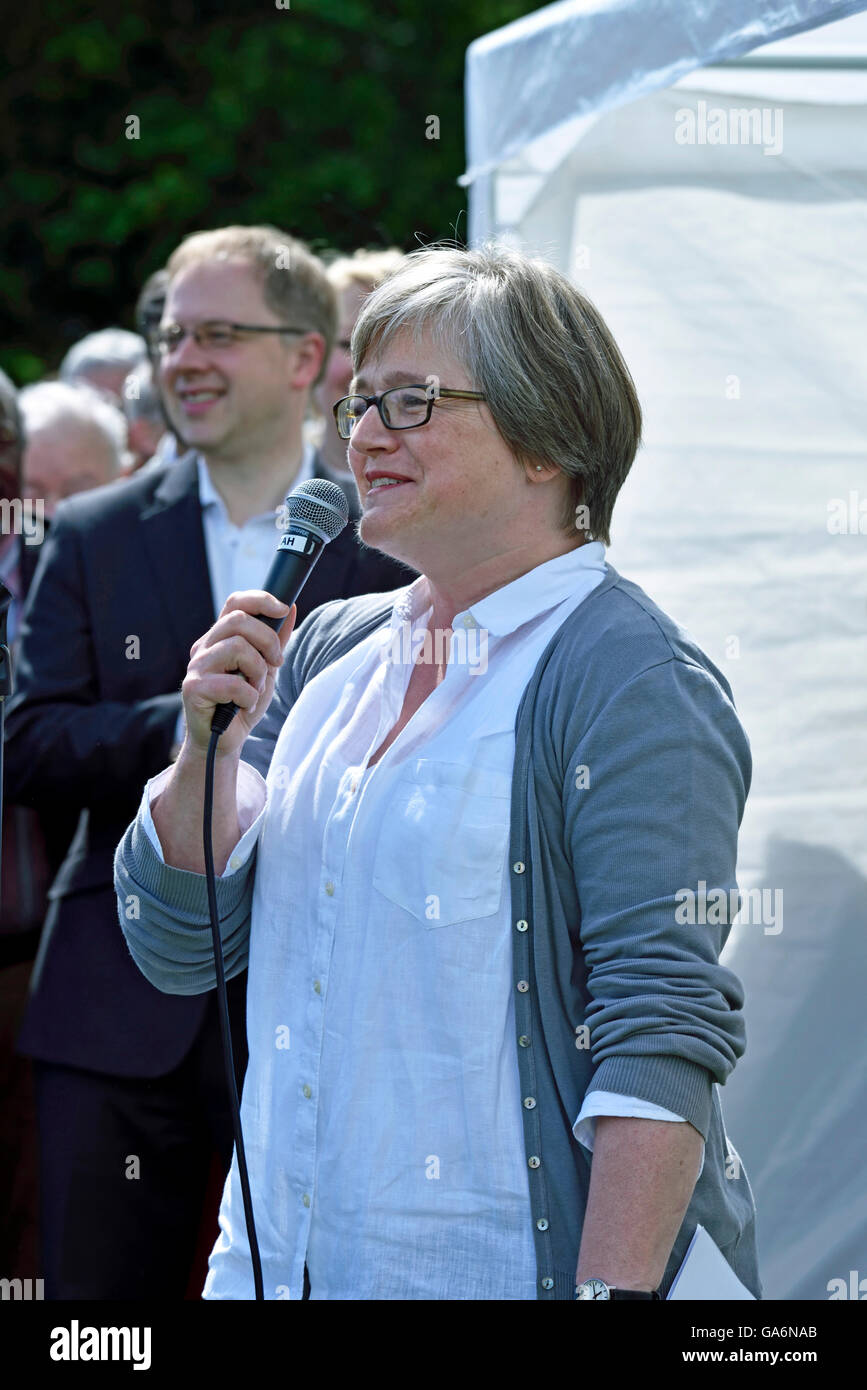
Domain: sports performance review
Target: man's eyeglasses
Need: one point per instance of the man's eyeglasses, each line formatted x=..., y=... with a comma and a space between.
x=401, y=408
x=211, y=336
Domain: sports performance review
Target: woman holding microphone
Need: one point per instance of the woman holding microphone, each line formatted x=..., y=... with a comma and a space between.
x=450, y=826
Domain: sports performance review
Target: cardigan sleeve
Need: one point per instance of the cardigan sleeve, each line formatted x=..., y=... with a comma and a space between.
x=653, y=798
x=163, y=911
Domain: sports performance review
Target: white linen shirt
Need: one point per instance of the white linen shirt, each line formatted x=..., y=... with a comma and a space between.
x=381, y=1107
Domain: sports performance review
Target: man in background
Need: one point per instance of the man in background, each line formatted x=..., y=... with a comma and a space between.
x=26, y=873
x=145, y=416
x=129, y=1081
x=75, y=440
x=103, y=360
x=353, y=278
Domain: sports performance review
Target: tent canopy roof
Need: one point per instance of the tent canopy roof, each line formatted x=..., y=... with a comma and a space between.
x=580, y=57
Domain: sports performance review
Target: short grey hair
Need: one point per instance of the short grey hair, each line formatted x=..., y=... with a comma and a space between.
x=110, y=347
x=556, y=385
x=50, y=402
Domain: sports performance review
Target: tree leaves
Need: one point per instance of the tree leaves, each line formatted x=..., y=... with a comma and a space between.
x=312, y=118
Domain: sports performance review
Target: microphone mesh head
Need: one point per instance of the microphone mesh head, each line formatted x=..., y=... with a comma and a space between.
x=319, y=504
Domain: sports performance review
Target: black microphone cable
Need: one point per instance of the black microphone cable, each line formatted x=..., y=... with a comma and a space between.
x=317, y=512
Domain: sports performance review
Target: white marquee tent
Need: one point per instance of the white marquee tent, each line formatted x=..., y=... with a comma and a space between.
x=700, y=169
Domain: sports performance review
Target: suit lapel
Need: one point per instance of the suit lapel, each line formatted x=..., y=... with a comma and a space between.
x=174, y=540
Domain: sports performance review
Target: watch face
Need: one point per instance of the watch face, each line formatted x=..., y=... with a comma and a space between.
x=593, y=1288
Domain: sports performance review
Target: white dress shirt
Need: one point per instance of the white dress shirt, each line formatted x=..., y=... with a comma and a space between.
x=381, y=1106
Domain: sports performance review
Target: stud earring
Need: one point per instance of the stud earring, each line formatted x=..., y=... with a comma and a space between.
x=538, y=468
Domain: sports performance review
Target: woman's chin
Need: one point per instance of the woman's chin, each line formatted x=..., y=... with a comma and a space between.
x=380, y=533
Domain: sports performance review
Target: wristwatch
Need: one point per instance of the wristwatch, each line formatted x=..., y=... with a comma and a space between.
x=597, y=1288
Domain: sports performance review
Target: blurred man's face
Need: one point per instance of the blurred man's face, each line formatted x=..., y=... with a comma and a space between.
x=108, y=380
x=235, y=401
x=65, y=457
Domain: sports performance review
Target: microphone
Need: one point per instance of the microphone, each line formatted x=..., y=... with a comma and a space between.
x=317, y=513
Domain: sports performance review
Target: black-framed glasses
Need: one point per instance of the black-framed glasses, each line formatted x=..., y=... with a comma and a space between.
x=400, y=408
x=211, y=336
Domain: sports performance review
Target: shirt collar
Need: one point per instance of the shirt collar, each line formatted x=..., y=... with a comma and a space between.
x=210, y=497
x=518, y=602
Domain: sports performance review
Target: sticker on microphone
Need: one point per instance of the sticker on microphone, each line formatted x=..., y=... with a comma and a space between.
x=300, y=541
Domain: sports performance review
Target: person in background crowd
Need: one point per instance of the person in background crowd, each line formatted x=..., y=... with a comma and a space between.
x=75, y=440
x=148, y=312
x=103, y=360
x=12, y=550
x=130, y=1086
x=28, y=863
x=353, y=278
x=145, y=416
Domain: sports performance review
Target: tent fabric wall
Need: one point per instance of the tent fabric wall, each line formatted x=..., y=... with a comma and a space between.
x=735, y=282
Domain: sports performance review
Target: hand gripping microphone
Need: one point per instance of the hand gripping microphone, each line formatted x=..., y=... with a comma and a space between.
x=317, y=513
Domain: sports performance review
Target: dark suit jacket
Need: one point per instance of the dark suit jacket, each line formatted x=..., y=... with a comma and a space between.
x=93, y=717
x=34, y=844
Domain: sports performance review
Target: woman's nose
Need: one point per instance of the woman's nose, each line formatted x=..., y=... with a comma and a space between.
x=369, y=432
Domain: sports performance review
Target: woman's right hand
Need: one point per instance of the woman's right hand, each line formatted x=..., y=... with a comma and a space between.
x=237, y=642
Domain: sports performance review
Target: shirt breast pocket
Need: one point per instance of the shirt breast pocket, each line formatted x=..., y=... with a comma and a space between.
x=441, y=852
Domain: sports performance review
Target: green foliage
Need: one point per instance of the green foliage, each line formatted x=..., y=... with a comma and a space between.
x=312, y=118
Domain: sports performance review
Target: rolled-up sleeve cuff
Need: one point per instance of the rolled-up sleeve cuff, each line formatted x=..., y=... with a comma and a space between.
x=613, y=1103
x=685, y=1086
x=252, y=797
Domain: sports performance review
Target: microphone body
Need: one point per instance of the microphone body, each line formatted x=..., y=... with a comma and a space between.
x=318, y=512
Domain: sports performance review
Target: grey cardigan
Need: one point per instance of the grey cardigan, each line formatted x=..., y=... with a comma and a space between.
x=630, y=776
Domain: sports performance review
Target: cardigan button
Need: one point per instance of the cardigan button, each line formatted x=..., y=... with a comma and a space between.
x=522, y=925
x=519, y=867
x=523, y=1040
x=547, y=1283
x=523, y=986
x=529, y=1102
x=533, y=1161
x=542, y=1224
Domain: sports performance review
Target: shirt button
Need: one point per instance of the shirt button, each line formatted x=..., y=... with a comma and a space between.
x=352, y=786
x=547, y=1283
x=306, y=1199
x=542, y=1224
x=519, y=867
x=307, y=1092
x=529, y=1102
x=469, y=622
x=235, y=862
x=533, y=1161
x=317, y=985
x=522, y=925
x=329, y=888
x=523, y=986
x=523, y=1041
